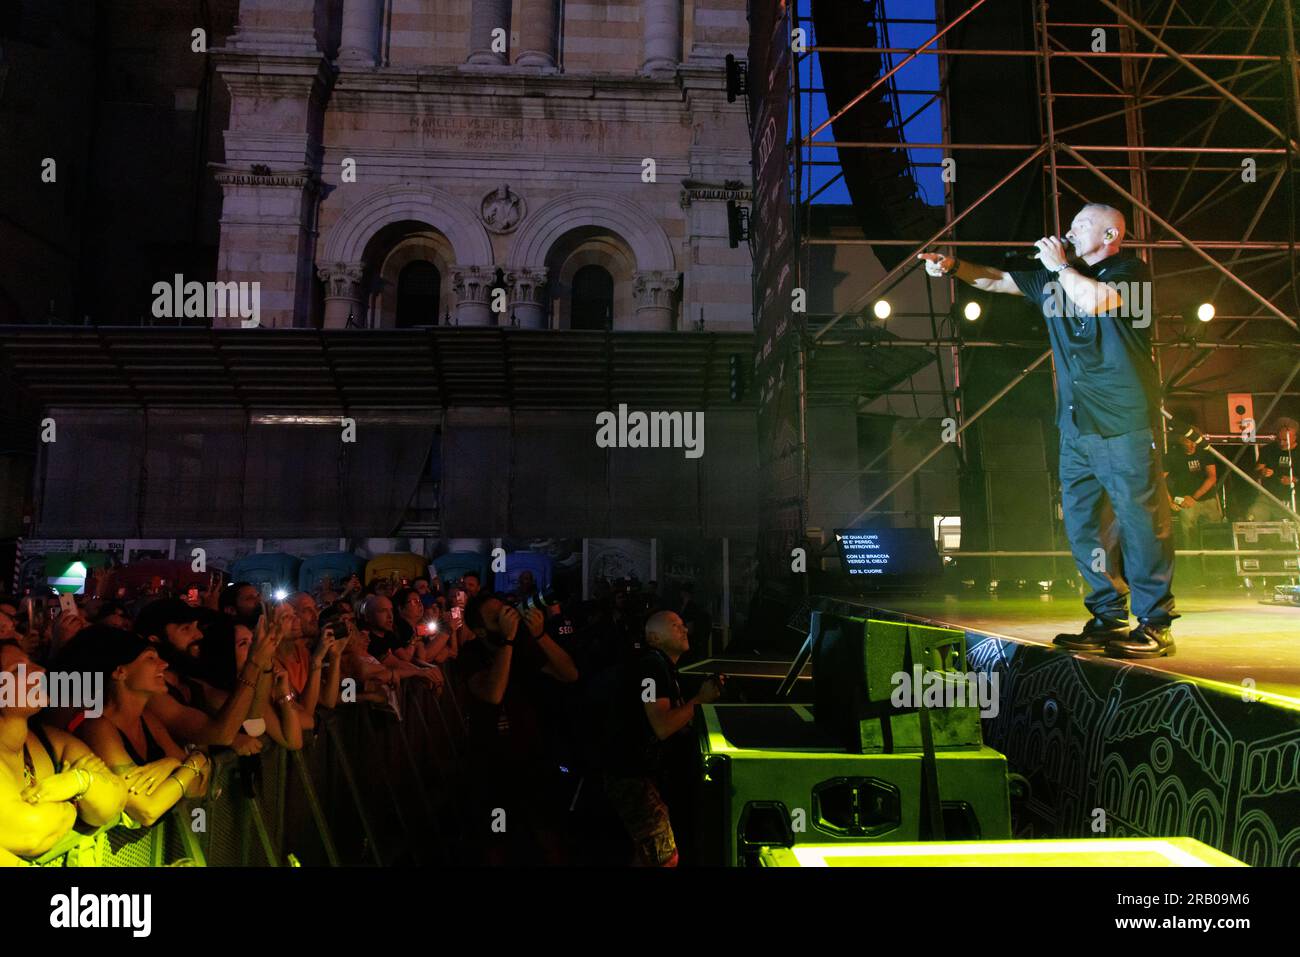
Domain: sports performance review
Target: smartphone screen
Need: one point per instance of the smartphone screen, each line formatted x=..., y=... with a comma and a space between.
x=192, y=595
x=67, y=604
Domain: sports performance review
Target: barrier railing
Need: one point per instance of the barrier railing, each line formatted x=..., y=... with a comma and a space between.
x=366, y=788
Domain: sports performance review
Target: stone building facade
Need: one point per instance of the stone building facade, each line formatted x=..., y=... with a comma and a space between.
x=538, y=163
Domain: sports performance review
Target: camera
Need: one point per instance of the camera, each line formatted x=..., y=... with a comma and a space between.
x=541, y=599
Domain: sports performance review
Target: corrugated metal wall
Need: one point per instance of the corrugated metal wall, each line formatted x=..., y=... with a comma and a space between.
x=223, y=473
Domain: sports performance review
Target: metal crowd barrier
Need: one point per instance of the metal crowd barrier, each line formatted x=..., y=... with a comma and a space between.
x=365, y=789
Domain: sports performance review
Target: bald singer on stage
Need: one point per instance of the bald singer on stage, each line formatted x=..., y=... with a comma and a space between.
x=1098, y=307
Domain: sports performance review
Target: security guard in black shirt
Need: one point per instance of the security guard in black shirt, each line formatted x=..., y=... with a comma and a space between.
x=1099, y=316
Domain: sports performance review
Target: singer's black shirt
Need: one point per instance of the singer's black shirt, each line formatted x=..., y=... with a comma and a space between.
x=1106, y=380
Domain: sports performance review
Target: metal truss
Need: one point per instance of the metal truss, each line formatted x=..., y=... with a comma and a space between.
x=1164, y=124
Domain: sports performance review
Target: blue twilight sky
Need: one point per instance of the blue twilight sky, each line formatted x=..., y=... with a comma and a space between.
x=921, y=74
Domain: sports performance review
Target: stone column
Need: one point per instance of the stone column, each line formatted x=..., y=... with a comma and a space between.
x=662, y=35
x=528, y=297
x=655, y=293
x=473, y=286
x=486, y=16
x=537, y=34
x=359, y=45
x=343, y=294
x=276, y=26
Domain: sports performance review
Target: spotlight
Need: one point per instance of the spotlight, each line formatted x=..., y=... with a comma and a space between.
x=972, y=311
x=882, y=308
x=1205, y=312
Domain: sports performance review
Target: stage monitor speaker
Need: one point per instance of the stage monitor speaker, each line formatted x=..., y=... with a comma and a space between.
x=1241, y=405
x=862, y=667
x=770, y=776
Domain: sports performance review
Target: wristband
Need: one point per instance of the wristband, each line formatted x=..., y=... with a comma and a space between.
x=1059, y=269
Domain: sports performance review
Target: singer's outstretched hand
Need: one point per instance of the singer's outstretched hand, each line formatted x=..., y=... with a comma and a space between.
x=936, y=264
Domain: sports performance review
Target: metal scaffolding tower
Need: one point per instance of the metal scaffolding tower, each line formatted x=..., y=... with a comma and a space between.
x=1186, y=113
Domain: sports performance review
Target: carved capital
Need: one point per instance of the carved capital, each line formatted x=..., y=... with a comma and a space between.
x=259, y=174
x=694, y=191
x=472, y=283
x=655, y=288
x=527, y=286
x=342, y=280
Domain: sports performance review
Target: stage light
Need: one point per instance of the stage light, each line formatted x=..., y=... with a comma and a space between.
x=281, y=594
x=882, y=308
x=1205, y=312
x=972, y=311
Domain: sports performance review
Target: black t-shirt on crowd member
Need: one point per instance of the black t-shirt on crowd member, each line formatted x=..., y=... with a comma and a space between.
x=405, y=633
x=510, y=728
x=634, y=748
x=1186, y=472
x=382, y=642
x=1284, y=464
x=561, y=630
x=1107, y=382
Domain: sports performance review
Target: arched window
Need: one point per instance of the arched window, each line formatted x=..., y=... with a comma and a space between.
x=593, y=299
x=418, y=286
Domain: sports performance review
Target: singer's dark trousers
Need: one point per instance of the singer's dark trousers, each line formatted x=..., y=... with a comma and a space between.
x=1118, y=522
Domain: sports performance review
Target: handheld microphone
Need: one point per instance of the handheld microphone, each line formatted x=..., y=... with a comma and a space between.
x=1032, y=253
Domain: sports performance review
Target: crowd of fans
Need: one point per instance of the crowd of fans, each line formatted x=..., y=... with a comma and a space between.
x=577, y=730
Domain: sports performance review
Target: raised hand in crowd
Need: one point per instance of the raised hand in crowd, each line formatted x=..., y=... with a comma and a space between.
x=212, y=594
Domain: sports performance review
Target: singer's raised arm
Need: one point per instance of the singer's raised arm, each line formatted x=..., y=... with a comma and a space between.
x=984, y=278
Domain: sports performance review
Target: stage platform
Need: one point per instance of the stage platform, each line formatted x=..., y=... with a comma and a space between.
x=1223, y=638
x=1175, y=747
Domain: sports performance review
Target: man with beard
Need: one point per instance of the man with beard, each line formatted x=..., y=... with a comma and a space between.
x=243, y=602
